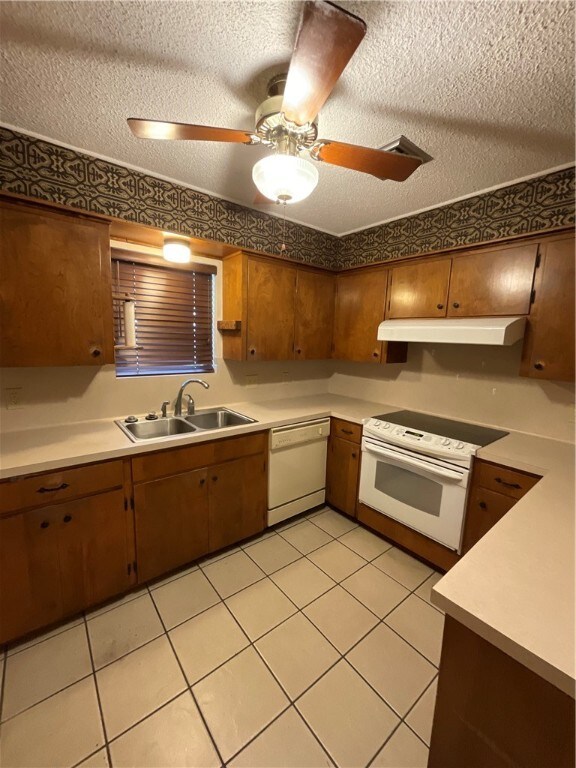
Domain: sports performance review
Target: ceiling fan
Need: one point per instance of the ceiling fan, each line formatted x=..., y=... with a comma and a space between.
x=287, y=121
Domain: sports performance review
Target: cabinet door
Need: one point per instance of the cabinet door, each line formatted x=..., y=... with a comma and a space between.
x=271, y=288
x=492, y=282
x=549, y=343
x=484, y=509
x=93, y=544
x=419, y=290
x=360, y=302
x=314, y=315
x=30, y=594
x=56, y=296
x=342, y=472
x=237, y=500
x=171, y=517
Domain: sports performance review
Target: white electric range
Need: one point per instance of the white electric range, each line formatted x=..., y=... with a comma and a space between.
x=416, y=468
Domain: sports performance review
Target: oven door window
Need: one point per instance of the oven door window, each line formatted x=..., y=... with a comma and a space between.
x=411, y=489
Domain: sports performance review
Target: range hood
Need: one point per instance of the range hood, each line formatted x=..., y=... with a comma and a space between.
x=496, y=331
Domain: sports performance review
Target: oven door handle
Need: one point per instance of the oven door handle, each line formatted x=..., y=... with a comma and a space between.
x=401, y=461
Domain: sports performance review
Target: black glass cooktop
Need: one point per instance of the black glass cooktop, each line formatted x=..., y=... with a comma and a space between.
x=456, y=430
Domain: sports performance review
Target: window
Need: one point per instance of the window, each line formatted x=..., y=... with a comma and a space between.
x=174, y=318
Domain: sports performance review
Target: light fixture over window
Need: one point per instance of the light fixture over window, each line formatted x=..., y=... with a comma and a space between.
x=176, y=249
x=285, y=177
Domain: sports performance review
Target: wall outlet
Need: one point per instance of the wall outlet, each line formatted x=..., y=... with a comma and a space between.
x=13, y=398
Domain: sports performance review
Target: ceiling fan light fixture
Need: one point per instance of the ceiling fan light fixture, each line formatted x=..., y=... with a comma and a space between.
x=176, y=250
x=285, y=178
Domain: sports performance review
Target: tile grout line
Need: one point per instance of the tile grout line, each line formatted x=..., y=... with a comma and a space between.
x=188, y=687
x=100, y=709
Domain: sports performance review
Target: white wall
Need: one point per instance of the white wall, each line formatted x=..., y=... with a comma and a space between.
x=476, y=383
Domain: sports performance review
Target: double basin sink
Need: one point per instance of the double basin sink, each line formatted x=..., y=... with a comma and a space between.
x=170, y=426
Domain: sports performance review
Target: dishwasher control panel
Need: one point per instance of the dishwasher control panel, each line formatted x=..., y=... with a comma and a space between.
x=296, y=434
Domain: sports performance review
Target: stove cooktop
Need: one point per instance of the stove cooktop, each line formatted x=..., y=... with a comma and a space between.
x=456, y=430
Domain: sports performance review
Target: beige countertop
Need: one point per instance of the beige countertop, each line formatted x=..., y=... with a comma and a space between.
x=515, y=588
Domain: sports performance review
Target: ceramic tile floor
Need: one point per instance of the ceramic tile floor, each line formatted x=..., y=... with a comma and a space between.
x=313, y=645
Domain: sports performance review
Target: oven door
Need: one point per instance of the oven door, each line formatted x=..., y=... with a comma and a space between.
x=423, y=493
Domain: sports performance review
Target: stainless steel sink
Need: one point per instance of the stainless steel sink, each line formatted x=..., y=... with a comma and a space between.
x=170, y=426
x=218, y=418
x=151, y=430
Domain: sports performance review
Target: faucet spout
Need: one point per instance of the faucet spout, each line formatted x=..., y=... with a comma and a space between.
x=178, y=402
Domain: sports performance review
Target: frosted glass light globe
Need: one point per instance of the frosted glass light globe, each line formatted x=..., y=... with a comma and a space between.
x=285, y=178
x=176, y=250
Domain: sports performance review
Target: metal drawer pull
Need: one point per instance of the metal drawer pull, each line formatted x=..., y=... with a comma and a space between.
x=67, y=518
x=508, y=485
x=44, y=524
x=347, y=431
x=482, y=505
x=51, y=490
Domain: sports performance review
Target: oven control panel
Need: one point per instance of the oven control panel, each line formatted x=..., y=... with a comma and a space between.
x=422, y=441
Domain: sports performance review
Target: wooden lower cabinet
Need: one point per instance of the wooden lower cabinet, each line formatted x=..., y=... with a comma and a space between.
x=342, y=474
x=237, y=501
x=58, y=560
x=493, y=711
x=197, y=509
x=494, y=490
x=30, y=592
x=171, y=521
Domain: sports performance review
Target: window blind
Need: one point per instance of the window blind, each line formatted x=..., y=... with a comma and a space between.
x=174, y=319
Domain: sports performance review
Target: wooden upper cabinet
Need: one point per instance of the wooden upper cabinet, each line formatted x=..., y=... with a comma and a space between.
x=359, y=310
x=549, y=342
x=56, y=296
x=495, y=282
x=271, y=289
x=419, y=290
x=313, y=315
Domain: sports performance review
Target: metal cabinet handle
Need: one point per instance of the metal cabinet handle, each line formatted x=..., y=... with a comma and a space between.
x=375, y=354
x=482, y=505
x=508, y=485
x=67, y=518
x=60, y=487
x=95, y=351
x=539, y=366
x=214, y=478
x=252, y=351
x=202, y=481
x=44, y=524
x=299, y=351
x=439, y=306
x=455, y=305
x=353, y=455
x=347, y=431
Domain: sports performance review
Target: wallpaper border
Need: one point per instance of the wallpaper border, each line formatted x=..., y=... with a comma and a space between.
x=40, y=169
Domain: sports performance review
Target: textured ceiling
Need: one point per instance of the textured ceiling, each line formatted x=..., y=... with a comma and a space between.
x=486, y=88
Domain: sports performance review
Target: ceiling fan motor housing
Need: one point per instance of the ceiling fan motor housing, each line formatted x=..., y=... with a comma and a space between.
x=270, y=123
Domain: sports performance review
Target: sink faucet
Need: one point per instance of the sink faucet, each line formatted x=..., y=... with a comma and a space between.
x=178, y=403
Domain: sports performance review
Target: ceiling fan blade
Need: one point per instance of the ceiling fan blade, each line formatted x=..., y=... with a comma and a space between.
x=157, y=129
x=325, y=43
x=377, y=162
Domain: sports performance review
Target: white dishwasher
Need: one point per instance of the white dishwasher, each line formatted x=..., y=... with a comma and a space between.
x=297, y=468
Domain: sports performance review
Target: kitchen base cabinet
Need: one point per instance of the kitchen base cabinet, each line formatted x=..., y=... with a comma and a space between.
x=30, y=593
x=60, y=559
x=171, y=521
x=237, y=501
x=493, y=711
x=197, y=499
x=493, y=492
x=343, y=466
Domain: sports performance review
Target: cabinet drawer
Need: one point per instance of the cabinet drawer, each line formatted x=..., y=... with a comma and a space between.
x=61, y=485
x=346, y=429
x=503, y=480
